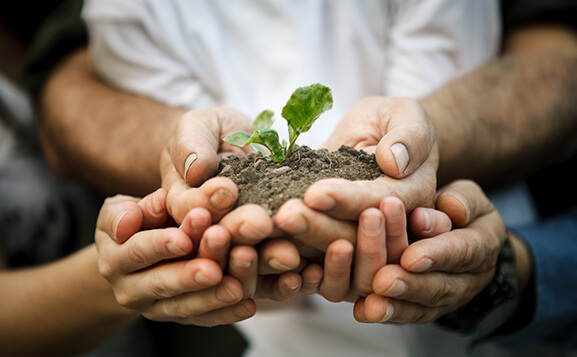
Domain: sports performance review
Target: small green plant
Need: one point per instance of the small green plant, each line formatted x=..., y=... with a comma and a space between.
x=302, y=109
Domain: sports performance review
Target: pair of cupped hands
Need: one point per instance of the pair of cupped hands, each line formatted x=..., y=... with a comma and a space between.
x=402, y=252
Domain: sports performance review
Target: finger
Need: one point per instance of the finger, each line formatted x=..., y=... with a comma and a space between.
x=195, y=223
x=169, y=280
x=224, y=316
x=428, y=222
x=146, y=248
x=279, y=287
x=434, y=289
x=335, y=285
x=380, y=309
x=345, y=199
x=371, y=252
x=410, y=139
x=119, y=218
x=218, y=194
x=312, y=228
x=312, y=276
x=471, y=249
x=215, y=244
x=154, y=210
x=396, y=228
x=277, y=256
x=463, y=201
x=359, y=310
x=190, y=304
x=248, y=224
x=194, y=150
x=243, y=267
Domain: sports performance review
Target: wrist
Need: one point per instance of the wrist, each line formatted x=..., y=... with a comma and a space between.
x=494, y=305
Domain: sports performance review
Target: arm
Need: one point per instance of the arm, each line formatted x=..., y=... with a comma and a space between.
x=106, y=137
x=64, y=307
x=115, y=140
x=514, y=115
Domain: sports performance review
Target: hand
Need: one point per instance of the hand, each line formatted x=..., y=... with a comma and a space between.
x=381, y=239
x=279, y=261
x=442, y=273
x=146, y=261
x=402, y=137
x=191, y=158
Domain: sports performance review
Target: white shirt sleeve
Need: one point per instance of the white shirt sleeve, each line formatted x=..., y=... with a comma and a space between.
x=129, y=52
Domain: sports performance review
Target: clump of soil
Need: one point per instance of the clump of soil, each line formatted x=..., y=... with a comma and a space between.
x=268, y=183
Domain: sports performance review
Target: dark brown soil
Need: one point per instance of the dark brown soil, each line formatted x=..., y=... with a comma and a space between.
x=270, y=184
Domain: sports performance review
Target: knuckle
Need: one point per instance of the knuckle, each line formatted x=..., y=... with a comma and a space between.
x=445, y=294
x=180, y=310
x=136, y=255
x=125, y=299
x=157, y=287
x=106, y=269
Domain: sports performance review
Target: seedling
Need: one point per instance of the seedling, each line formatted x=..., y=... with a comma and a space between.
x=302, y=109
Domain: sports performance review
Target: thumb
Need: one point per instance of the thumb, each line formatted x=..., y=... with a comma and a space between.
x=409, y=141
x=194, y=147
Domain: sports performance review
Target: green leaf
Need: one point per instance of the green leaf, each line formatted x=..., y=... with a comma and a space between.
x=305, y=105
x=265, y=137
x=263, y=121
x=238, y=138
x=269, y=138
x=259, y=148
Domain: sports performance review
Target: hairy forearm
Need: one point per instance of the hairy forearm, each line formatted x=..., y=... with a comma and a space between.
x=110, y=139
x=64, y=307
x=512, y=116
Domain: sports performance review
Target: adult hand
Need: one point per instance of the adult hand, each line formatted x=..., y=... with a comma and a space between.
x=440, y=273
x=147, y=262
x=402, y=137
x=191, y=158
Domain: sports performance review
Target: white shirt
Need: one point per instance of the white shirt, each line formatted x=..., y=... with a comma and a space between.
x=251, y=55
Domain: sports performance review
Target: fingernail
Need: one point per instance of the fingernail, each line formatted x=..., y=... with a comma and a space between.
x=324, y=203
x=174, y=249
x=372, y=224
x=422, y=265
x=389, y=313
x=428, y=225
x=243, y=264
x=249, y=232
x=202, y=279
x=222, y=199
x=116, y=224
x=156, y=206
x=276, y=265
x=190, y=159
x=296, y=225
x=401, y=155
x=398, y=288
x=224, y=294
x=241, y=311
x=459, y=198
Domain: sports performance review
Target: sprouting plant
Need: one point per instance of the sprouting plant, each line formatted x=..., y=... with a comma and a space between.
x=302, y=109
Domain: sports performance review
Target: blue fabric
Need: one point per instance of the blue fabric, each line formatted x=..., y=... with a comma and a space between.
x=553, y=244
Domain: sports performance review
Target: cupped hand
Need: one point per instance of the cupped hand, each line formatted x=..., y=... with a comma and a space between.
x=402, y=137
x=440, y=272
x=191, y=157
x=147, y=261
